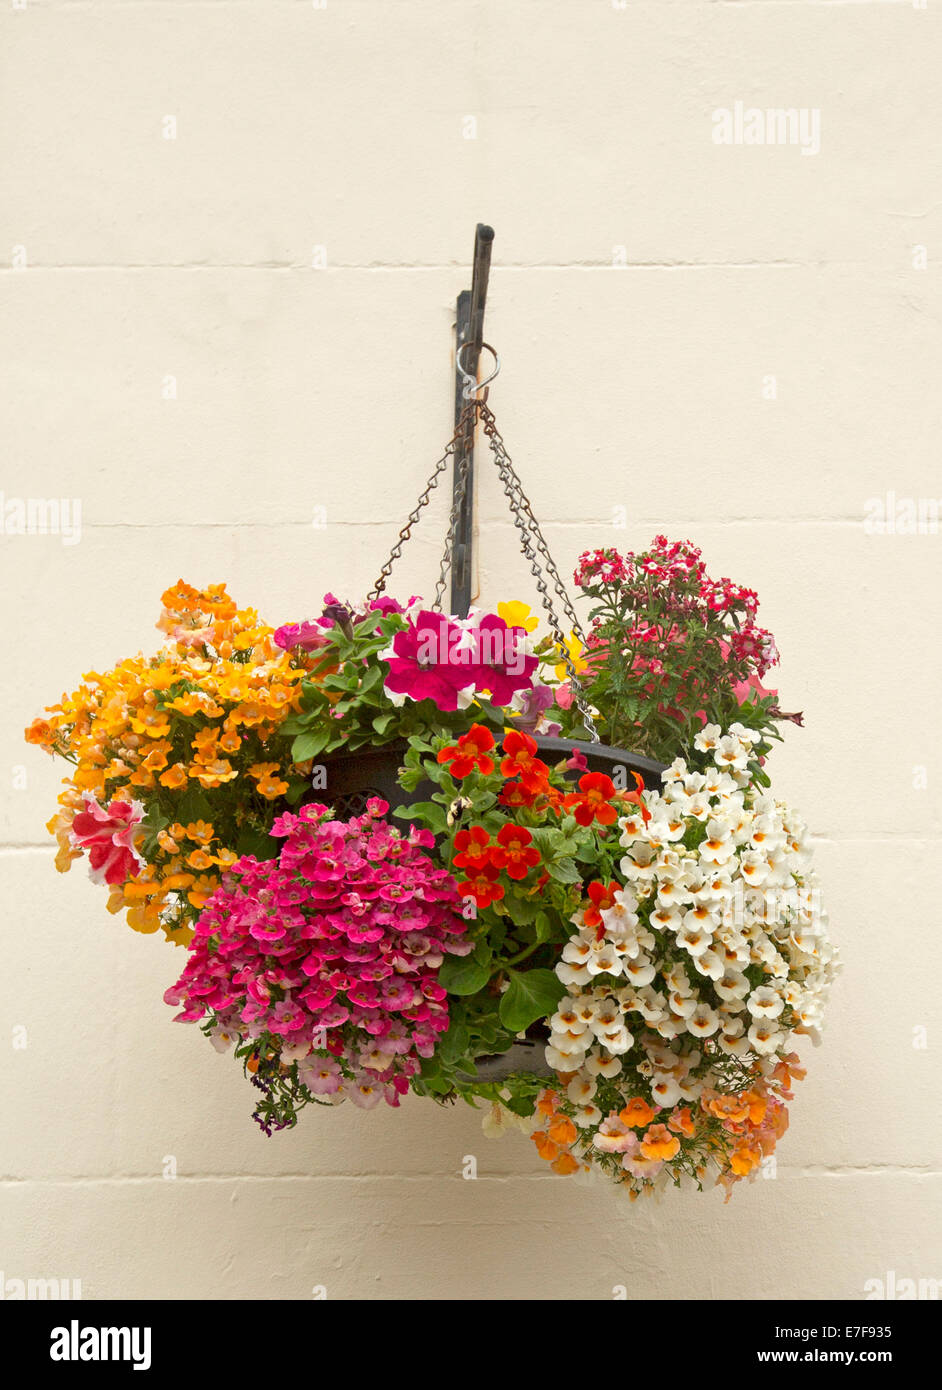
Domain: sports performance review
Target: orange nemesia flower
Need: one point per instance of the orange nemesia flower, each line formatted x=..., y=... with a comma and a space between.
x=637, y=1113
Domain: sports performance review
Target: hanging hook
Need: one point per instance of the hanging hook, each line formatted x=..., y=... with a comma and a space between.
x=471, y=384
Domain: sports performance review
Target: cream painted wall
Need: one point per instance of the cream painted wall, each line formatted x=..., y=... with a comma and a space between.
x=338, y=135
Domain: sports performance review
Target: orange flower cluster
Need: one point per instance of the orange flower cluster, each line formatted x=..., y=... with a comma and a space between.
x=734, y=1130
x=555, y=1142
x=192, y=735
x=755, y=1119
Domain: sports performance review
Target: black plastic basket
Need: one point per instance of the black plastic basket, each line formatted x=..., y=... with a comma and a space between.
x=353, y=778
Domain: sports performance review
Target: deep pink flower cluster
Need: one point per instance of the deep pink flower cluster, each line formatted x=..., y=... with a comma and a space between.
x=334, y=948
x=449, y=661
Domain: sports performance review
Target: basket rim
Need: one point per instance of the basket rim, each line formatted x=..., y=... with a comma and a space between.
x=547, y=743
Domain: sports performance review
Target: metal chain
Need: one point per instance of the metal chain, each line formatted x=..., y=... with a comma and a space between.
x=522, y=514
x=467, y=421
x=532, y=540
x=406, y=531
x=524, y=510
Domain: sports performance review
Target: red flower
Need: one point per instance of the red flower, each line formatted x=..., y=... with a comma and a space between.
x=593, y=800
x=517, y=854
x=520, y=761
x=602, y=897
x=483, y=887
x=636, y=797
x=473, y=848
x=470, y=753
x=513, y=794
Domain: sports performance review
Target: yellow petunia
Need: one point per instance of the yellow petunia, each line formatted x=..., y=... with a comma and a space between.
x=574, y=649
x=517, y=614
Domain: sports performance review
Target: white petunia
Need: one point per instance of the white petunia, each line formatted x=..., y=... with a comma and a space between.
x=571, y=975
x=754, y=866
x=683, y=1005
x=639, y=972
x=718, y=847
x=600, y=1064
x=731, y=754
x=732, y=984
x=709, y=963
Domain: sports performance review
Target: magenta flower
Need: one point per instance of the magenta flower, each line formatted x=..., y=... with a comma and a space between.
x=429, y=661
x=330, y=954
x=308, y=636
x=503, y=666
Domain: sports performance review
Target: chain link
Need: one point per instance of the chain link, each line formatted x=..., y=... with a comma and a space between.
x=532, y=540
x=529, y=530
x=406, y=531
x=464, y=428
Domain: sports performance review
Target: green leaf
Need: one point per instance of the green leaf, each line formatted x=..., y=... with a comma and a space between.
x=454, y=1044
x=296, y=790
x=463, y=975
x=521, y=911
x=564, y=871
x=193, y=805
x=429, y=813
x=373, y=676
x=308, y=745
x=531, y=994
x=259, y=843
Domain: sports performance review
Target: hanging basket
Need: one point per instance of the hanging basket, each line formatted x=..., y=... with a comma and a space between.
x=544, y=937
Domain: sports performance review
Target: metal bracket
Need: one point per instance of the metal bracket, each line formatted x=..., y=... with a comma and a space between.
x=469, y=330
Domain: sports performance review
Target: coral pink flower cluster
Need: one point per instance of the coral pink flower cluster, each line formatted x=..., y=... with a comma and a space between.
x=331, y=951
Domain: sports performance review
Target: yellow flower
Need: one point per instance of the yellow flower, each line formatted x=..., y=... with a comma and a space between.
x=201, y=890
x=145, y=918
x=213, y=773
x=573, y=648
x=200, y=832
x=153, y=722
x=122, y=727
x=517, y=614
x=267, y=782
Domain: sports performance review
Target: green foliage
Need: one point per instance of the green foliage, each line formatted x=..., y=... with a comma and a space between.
x=530, y=995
